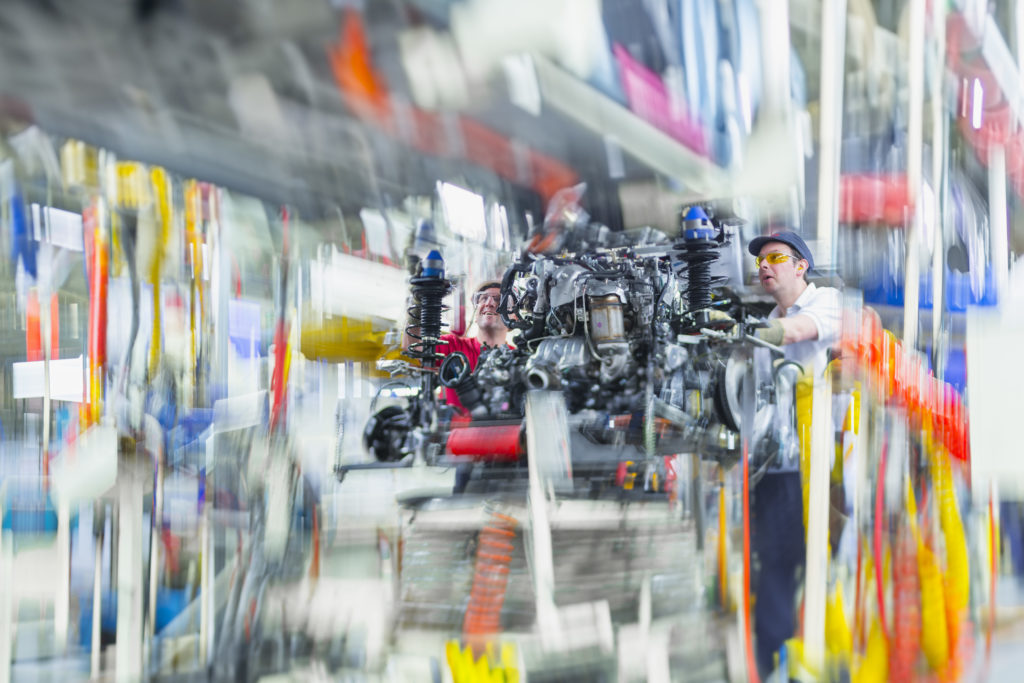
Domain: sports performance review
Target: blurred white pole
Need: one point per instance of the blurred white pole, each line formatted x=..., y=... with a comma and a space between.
x=1018, y=39
x=207, y=606
x=156, y=527
x=775, y=51
x=129, y=574
x=97, y=602
x=62, y=599
x=912, y=281
x=915, y=134
x=998, y=219
x=6, y=597
x=830, y=127
x=547, y=442
x=43, y=294
x=939, y=181
x=204, y=587
x=220, y=293
x=833, y=53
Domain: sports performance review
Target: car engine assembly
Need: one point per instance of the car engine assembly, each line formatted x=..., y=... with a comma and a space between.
x=650, y=352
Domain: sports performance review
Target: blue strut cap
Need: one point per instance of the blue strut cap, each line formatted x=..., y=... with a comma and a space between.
x=433, y=265
x=695, y=213
x=697, y=225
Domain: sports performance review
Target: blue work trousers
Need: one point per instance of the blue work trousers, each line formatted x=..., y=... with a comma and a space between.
x=777, y=541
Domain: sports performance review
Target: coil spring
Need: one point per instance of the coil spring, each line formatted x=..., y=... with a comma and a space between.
x=429, y=293
x=490, y=580
x=699, y=254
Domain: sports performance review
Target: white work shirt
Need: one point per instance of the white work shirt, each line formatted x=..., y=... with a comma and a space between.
x=824, y=307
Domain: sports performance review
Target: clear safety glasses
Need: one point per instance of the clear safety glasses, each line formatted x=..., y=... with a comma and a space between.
x=483, y=297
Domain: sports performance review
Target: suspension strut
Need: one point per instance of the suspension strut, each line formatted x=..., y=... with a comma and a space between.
x=428, y=290
x=699, y=249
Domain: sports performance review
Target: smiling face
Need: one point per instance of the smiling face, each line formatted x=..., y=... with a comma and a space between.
x=785, y=280
x=487, y=318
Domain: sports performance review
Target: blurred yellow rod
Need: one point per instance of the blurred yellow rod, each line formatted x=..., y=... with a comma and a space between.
x=860, y=500
x=817, y=524
x=833, y=51
x=161, y=191
x=939, y=151
x=991, y=575
x=915, y=133
x=193, y=242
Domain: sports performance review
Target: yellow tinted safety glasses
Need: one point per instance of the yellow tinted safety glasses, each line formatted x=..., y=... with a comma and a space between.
x=773, y=257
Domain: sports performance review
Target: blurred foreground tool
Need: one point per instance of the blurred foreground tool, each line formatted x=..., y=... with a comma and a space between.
x=489, y=667
x=339, y=338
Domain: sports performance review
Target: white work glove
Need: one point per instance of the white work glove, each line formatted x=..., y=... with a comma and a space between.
x=773, y=334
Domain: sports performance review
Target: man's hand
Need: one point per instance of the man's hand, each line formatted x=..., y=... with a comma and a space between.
x=720, y=320
x=774, y=333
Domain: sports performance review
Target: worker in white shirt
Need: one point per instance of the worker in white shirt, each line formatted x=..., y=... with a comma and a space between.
x=805, y=320
x=805, y=323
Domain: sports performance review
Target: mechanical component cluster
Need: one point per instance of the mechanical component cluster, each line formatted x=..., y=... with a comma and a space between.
x=647, y=348
x=604, y=324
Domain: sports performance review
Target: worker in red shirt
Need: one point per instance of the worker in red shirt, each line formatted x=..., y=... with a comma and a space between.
x=490, y=333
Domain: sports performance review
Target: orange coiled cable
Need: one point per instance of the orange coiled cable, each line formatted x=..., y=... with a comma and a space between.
x=906, y=626
x=495, y=546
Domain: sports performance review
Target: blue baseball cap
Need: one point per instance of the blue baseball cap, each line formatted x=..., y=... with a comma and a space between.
x=787, y=237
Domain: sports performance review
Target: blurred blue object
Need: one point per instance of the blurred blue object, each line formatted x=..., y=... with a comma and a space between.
x=884, y=287
x=170, y=602
x=23, y=245
x=604, y=75
x=108, y=617
x=797, y=79
x=31, y=521
x=955, y=372
x=190, y=425
x=425, y=238
x=186, y=441
x=244, y=327
x=739, y=79
x=746, y=51
x=28, y=510
x=698, y=38
x=629, y=23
